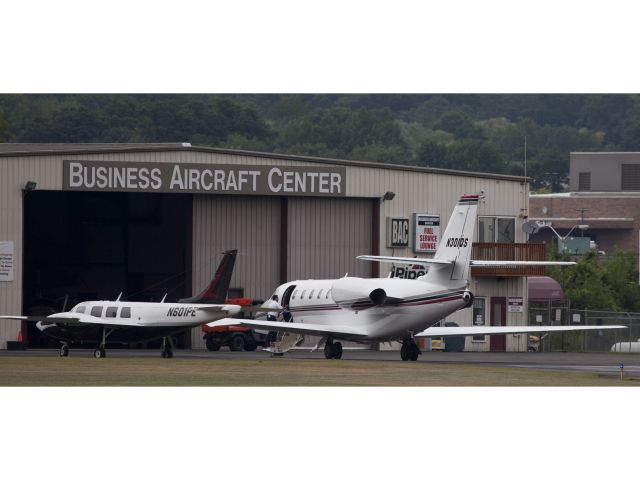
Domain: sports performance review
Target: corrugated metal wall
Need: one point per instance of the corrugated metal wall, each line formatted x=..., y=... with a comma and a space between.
x=11, y=173
x=250, y=224
x=326, y=235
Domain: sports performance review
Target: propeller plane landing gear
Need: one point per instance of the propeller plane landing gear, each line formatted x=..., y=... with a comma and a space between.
x=409, y=350
x=332, y=350
x=100, y=351
x=166, y=350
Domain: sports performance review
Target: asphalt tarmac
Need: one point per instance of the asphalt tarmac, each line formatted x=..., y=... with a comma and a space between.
x=601, y=363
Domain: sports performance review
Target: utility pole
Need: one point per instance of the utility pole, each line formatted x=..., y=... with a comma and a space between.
x=581, y=210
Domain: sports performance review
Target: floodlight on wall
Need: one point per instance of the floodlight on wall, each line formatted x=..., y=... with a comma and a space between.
x=30, y=186
x=387, y=196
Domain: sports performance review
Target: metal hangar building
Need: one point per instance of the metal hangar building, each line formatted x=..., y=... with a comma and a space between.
x=88, y=221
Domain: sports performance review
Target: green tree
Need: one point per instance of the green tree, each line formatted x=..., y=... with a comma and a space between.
x=585, y=284
x=621, y=275
x=432, y=154
x=4, y=125
x=458, y=124
x=599, y=284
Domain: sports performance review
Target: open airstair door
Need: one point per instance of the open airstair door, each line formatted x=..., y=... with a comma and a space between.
x=286, y=297
x=285, y=341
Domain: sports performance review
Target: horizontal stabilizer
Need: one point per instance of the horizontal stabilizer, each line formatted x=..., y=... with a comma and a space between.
x=407, y=260
x=229, y=309
x=259, y=309
x=304, y=328
x=518, y=263
x=466, y=331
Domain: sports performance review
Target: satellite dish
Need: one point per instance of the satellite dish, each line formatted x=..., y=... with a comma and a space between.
x=531, y=227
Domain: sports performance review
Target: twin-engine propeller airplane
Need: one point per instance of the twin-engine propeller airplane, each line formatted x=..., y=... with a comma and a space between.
x=102, y=322
x=367, y=310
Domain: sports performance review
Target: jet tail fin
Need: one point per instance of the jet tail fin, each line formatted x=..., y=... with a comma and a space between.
x=455, y=245
x=216, y=291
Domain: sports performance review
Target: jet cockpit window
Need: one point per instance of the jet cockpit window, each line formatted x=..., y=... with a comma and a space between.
x=111, y=312
x=80, y=309
x=96, y=311
x=328, y=292
x=293, y=297
x=320, y=293
x=302, y=294
x=311, y=294
x=125, y=312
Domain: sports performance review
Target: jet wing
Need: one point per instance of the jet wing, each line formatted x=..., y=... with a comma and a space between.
x=295, y=327
x=466, y=331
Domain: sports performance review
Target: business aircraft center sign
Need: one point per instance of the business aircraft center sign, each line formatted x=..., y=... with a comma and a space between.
x=203, y=178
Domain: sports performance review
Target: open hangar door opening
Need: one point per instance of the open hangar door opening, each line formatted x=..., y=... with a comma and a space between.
x=93, y=245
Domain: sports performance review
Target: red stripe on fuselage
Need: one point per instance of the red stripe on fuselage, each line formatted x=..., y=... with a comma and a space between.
x=410, y=303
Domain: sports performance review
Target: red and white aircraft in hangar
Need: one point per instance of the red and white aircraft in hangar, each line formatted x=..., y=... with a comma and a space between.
x=369, y=310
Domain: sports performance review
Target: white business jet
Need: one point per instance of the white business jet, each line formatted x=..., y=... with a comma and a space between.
x=101, y=322
x=367, y=310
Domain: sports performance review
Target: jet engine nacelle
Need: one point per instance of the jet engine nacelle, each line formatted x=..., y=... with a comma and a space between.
x=378, y=296
x=357, y=293
x=467, y=297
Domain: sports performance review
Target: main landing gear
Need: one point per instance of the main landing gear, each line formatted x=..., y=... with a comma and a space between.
x=64, y=350
x=100, y=352
x=166, y=350
x=332, y=350
x=409, y=350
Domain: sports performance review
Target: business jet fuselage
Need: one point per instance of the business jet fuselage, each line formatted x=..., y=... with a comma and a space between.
x=399, y=306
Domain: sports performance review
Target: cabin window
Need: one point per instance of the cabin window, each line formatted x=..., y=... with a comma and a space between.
x=328, y=292
x=320, y=293
x=80, y=309
x=293, y=297
x=302, y=294
x=96, y=311
x=311, y=294
x=125, y=312
x=111, y=312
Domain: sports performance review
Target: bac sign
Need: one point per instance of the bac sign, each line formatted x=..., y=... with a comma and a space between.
x=427, y=233
x=397, y=232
